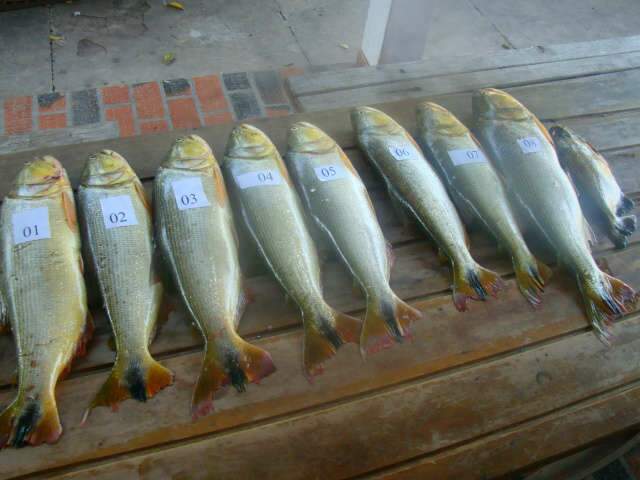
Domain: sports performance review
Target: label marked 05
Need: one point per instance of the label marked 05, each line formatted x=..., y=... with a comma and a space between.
x=327, y=173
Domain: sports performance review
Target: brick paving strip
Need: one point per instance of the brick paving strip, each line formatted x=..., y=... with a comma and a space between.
x=149, y=107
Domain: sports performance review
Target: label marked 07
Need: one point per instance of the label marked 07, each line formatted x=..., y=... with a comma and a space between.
x=530, y=145
x=259, y=179
x=30, y=225
x=189, y=193
x=467, y=156
x=118, y=211
x=327, y=173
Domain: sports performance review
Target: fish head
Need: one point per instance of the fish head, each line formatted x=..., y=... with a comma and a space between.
x=42, y=177
x=495, y=104
x=107, y=168
x=433, y=117
x=372, y=120
x=247, y=141
x=562, y=134
x=305, y=137
x=190, y=152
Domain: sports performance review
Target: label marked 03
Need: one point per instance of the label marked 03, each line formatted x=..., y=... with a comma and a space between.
x=466, y=156
x=259, y=179
x=189, y=193
x=530, y=145
x=118, y=211
x=30, y=225
x=327, y=173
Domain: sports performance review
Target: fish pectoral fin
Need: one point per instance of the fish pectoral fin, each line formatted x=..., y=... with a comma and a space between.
x=242, y=364
x=133, y=377
x=475, y=283
x=69, y=211
x=30, y=422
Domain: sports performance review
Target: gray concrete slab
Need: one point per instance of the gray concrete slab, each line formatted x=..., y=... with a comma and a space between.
x=25, y=66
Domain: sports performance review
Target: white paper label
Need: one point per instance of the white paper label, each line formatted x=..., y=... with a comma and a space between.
x=118, y=211
x=259, y=179
x=467, y=156
x=327, y=173
x=30, y=225
x=402, y=152
x=530, y=145
x=189, y=193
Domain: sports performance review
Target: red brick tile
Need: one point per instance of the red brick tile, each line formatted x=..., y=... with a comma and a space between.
x=54, y=120
x=183, y=113
x=278, y=111
x=52, y=102
x=291, y=71
x=123, y=115
x=153, y=126
x=115, y=94
x=218, y=118
x=148, y=100
x=18, y=115
x=210, y=93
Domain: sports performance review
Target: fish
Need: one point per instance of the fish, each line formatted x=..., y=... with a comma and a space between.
x=265, y=196
x=117, y=230
x=596, y=183
x=412, y=183
x=197, y=237
x=523, y=153
x=338, y=202
x=43, y=285
x=476, y=187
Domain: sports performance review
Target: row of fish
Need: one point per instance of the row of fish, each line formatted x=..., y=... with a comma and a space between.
x=42, y=271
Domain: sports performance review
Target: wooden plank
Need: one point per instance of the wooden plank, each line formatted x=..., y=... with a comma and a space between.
x=468, y=81
x=321, y=82
x=444, y=339
x=400, y=422
x=522, y=446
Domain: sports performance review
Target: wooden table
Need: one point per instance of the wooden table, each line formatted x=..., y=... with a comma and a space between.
x=475, y=395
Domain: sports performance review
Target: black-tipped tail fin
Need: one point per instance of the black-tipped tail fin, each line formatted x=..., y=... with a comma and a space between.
x=625, y=205
x=531, y=277
x=475, y=283
x=30, y=422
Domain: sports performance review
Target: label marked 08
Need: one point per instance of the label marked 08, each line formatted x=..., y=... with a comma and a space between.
x=259, y=179
x=327, y=173
x=467, y=156
x=530, y=145
x=118, y=211
x=189, y=193
x=30, y=225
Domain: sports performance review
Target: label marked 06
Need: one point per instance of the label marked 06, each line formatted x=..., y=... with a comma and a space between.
x=30, y=225
x=530, y=145
x=327, y=173
x=189, y=193
x=402, y=152
x=118, y=211
x=467, y=156
x=259, y=179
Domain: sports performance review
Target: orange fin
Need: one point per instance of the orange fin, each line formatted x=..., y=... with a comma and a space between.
x=474, y=283
x=386, y=322
x=531, y=277
x=30, y=422
x=323, y=337
x=605, y=299
x=136, y=378
x=69, y=211
x=143, y=196
x=238, y=366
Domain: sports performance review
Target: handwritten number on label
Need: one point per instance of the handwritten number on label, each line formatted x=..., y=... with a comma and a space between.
x=189, y=193
x=30, y=225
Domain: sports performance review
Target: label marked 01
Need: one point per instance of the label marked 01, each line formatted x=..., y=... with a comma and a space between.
x=530, y=145
x=31, y=225
x=189, y=193
x=259, y=179
x=118, y=211
x=467, y=156
x=327, y=173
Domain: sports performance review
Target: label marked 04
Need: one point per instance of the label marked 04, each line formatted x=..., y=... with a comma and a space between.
x=530, y=145
x=118, y=211
x=30, y=225
x=189, y=193
x=259, y=179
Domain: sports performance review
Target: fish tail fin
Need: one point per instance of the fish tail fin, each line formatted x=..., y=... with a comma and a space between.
x=139, y=378
x=475, y=283
x=625, y=205
x=626, y=225
x=30, y=422
x=323, y=335
x=243, y=363
x=605, y=298
x=386, y=321
x=531, y=276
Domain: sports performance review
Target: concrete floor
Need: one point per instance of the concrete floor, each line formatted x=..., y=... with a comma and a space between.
x=113, y=41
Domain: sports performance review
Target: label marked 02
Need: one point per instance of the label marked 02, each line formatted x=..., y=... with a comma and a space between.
x=467, y=156
x=327, y=173
x=118, y=211
x=530, y=145
x=259, y=179
x=31, y=225
x=189, y=193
